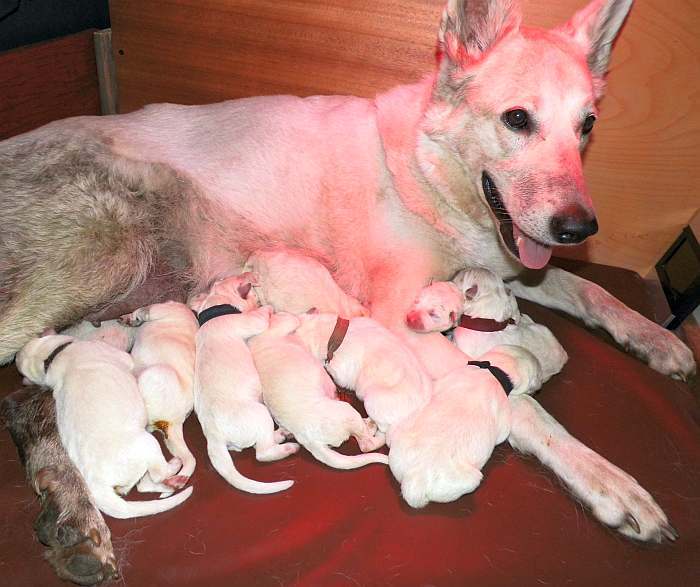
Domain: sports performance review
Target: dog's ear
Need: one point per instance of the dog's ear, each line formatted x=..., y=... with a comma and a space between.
x=595, y=28
x=469, y=28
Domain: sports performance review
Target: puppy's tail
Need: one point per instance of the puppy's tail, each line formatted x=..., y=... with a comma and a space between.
x=340, y=461
x=223, y=463
x=113, y=505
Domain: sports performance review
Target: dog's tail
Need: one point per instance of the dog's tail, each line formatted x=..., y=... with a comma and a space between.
x=340, y=461
x=223, y=463
x=113, y=505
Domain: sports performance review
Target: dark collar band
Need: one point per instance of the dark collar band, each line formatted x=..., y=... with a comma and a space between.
x=337, y=337
x=215, y=311
x=497, y=372
x=48, y=360
x=484, y=324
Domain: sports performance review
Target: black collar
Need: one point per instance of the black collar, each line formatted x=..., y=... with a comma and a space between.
x=216, y=311
x=497, y=372
x=48, y=360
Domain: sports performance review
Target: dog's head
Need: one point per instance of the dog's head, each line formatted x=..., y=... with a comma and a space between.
x=236, y=290
x=511, y=111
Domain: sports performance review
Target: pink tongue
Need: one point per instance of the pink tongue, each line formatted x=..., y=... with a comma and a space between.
x=533, y=255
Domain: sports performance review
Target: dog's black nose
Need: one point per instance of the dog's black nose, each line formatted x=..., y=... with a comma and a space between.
x=572, y=226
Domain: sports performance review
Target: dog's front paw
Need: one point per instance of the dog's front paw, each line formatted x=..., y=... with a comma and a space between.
x=79, y=541
x=662, y=349
x=617, y=500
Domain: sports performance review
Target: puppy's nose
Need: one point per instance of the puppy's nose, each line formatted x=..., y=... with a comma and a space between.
x=414, y=321
x=572, y=225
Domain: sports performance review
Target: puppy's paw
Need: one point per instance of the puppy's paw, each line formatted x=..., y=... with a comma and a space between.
x=78, y=540
x=617, y=500
x=176, y=481
x=130, y=319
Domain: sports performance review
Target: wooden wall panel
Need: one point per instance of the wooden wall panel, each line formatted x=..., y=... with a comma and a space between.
x=640, y=166
x=47, y=81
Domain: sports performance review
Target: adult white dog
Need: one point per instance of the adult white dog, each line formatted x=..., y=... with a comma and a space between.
x=102, y=420
x=478, y=163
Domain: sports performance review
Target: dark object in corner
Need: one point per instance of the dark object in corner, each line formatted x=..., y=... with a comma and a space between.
x=679, y=274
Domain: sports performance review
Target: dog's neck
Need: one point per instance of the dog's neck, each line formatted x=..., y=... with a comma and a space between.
x=401, y=115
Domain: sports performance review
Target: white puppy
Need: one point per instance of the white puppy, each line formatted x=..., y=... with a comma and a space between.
x=112, y=332
x=486, y=315
x=437, y=453
x=163, y=353
x=290, y=281
x=102, y=420
x=373, y=362
x=302, y=397
x=227, y=388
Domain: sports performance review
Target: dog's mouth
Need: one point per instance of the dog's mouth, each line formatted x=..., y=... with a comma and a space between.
x=531, y=253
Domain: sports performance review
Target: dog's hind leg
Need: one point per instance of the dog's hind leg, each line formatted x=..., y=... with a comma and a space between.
x=70, y=525
x=614, y=497
x=80, y=231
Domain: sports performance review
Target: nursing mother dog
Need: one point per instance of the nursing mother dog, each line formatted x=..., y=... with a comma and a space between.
x=479, y=164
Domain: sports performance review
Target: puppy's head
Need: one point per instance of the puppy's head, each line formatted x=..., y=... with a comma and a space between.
x=485, y=295
x=521, y=365
x=437, y=308
x=514, y=107
x=30, y=359
x=236, y=290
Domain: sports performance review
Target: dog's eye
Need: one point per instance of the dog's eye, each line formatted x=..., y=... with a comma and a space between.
x=587, y=125
x=517, y=119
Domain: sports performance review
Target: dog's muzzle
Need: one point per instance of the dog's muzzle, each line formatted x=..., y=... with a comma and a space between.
x=527, y=250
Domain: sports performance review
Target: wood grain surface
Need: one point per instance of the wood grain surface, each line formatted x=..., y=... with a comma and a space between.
x=47, y=81
x=641, y=164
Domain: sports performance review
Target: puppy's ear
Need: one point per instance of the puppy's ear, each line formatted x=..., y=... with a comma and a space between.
x=469, y=28
x=595, y=28
x=313, y=310
x=244, y=290
x=249, y=277
x=471, y=292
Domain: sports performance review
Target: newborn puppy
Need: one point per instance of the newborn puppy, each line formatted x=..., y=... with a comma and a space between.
x=302, y=397
x=291, y=281
x=438, y=452
x=113, y=332
x=374, y=363
x=102, y=421
x=163, y=353
x=486, y=315
x=227, y=389
x=70, y=525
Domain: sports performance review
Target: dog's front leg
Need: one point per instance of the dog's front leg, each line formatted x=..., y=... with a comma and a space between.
x=561, y=290
x=614, y=497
